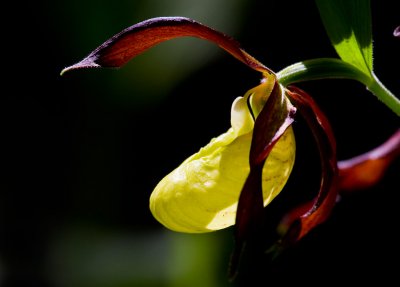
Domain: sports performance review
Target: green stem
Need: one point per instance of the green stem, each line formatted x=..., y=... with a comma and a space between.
x=328, y=68
x=383, y=94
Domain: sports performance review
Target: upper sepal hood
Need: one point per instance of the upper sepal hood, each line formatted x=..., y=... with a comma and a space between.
x=138, y=38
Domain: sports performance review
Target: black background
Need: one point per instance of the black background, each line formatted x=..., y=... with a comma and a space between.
x=72, y=154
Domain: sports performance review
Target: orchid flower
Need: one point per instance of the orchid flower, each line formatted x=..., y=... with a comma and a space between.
x=232, y=179
x=201, y=195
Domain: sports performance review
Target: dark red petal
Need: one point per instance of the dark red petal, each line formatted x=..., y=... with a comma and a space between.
x=275, y=117
x=303, y=219
x=270, y=125
x=367, y=169
x=356, y=173
x=136, y=39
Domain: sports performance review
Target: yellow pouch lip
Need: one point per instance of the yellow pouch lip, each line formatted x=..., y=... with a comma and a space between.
x=201, y=194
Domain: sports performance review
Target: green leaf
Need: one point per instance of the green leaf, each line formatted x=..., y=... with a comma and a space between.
x=348, y=24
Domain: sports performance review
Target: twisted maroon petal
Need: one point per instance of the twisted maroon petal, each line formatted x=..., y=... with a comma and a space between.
x=353, y=174
x=275, y=117
x=303, y=219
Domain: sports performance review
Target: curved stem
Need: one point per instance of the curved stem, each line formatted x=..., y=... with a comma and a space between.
x=325, y=68
x=383, y=94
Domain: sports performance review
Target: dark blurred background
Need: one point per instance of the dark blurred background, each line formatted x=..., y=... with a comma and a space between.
x=81, y=153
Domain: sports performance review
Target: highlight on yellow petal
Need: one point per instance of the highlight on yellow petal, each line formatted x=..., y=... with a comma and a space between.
x=201, y=195
x=242, y=120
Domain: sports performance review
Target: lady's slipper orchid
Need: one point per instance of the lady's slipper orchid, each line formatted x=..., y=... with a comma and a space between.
x=202, y=194
x=230, y=180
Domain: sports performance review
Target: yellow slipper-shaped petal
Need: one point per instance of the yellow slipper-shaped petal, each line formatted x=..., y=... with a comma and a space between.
x=201, y=195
